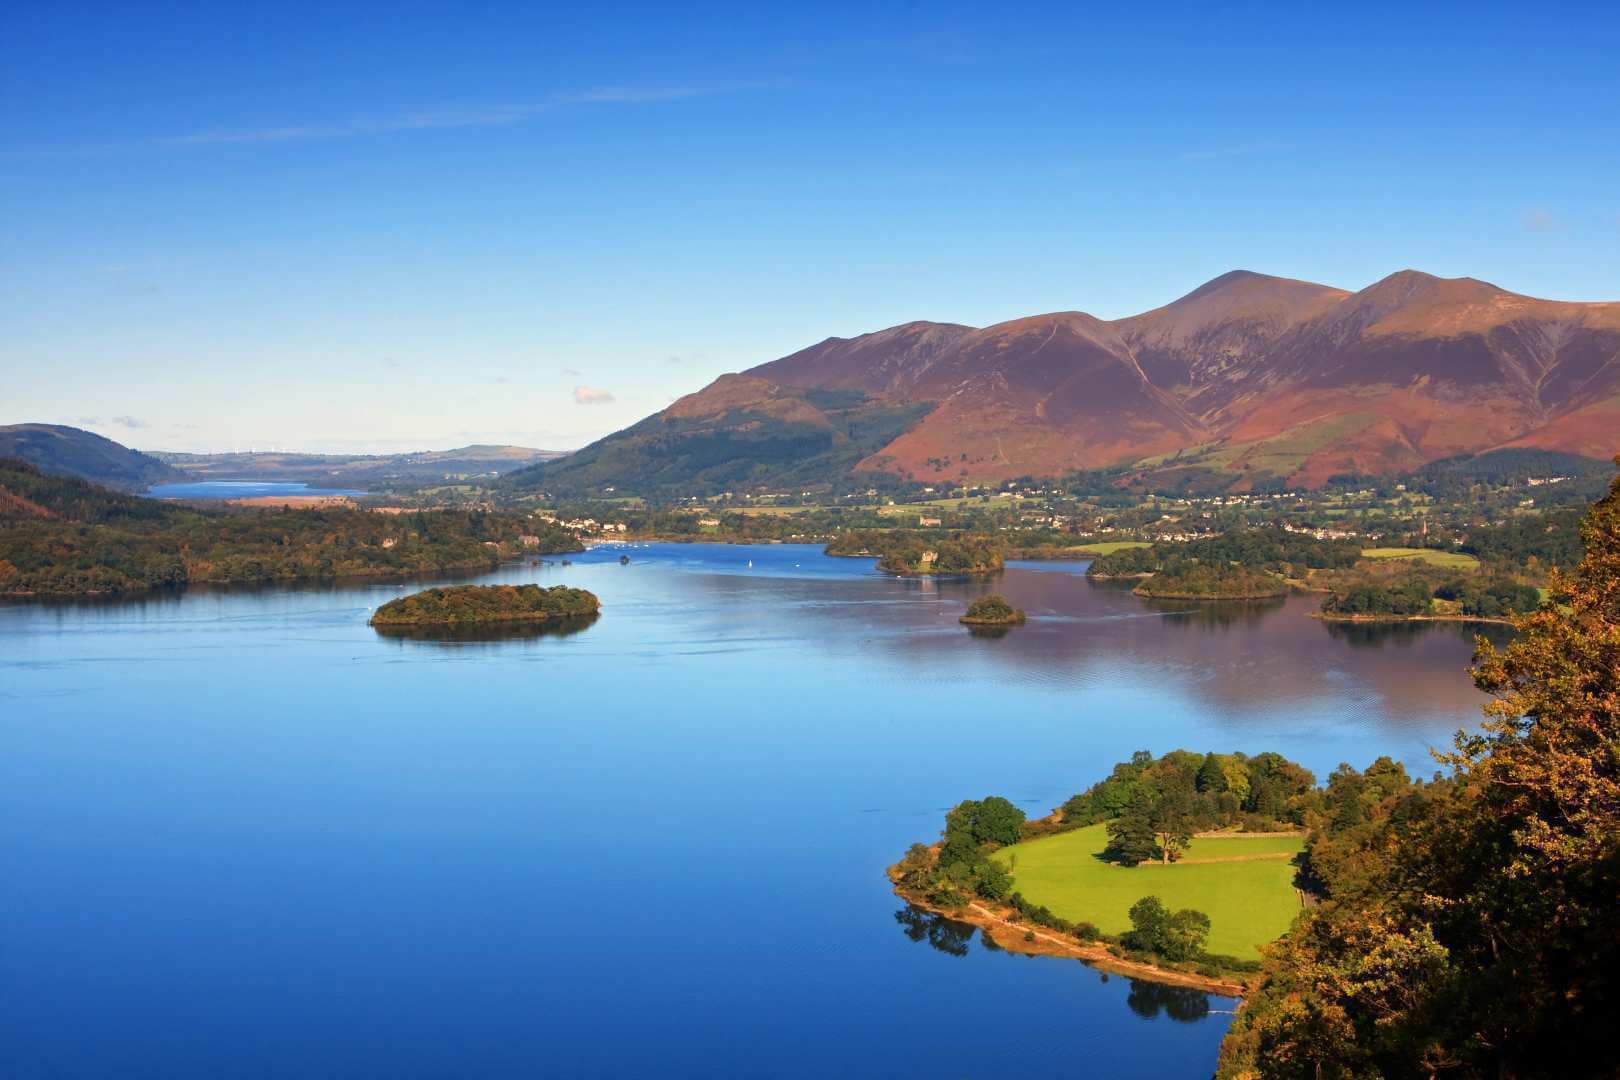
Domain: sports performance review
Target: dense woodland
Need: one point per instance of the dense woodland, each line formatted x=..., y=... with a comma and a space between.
x=1414, y=590
x=1467, y=926
x=65, y=536
x=460, y=604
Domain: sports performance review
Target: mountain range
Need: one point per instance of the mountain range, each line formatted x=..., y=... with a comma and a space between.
x=1246, y=380
x=343, y=470
x=69, y=451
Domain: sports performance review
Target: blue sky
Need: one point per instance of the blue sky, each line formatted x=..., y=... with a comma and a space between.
x=407, y=225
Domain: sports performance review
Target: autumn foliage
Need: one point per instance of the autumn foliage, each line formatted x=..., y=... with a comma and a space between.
x=1470, y=926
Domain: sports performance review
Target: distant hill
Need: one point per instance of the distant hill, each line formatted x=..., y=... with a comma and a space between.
x=1249, y=380
x=339, y=470
x=70, y=451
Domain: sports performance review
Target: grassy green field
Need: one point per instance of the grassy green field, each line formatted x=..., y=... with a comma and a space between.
x=1248, y=902
x=1451, y=560
x=1108, y=547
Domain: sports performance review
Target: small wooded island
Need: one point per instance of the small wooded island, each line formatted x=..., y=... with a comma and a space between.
x=1185, y=579
x=464, y=605
x=908, y=554
x=992, y=610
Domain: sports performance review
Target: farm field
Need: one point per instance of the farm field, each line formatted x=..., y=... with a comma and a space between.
x=1248, y=893
x=1451, y=560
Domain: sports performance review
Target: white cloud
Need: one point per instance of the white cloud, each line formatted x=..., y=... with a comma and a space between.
x=590, y=395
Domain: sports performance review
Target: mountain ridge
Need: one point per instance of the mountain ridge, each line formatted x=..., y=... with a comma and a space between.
x=69, y=451
x=1249, y=377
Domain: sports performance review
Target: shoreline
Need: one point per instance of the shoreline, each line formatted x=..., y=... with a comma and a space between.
x=1010, y=936
x=1208, y=597
x=1335, y=617
x=389, y=575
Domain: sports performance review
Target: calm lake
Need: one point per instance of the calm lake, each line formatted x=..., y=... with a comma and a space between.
x=242, y=489
x=245, y=835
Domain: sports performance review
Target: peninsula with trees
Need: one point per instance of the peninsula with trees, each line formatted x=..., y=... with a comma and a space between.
x=1176, y=868
x=64, y=536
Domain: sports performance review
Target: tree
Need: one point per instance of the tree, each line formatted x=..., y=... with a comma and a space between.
x=1211, y=776
x=1131, y=836
x=1184, y=935
x=1173, y=822
x=988, y=820
x=1175, y=937
x=1149, y=917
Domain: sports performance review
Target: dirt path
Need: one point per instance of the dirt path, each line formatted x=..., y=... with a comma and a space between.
x=1011, y=937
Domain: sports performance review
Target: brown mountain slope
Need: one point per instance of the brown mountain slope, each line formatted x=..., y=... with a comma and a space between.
x=1036, y=396
x=1415, y=368
x=1220, y=332
x=1246, y=379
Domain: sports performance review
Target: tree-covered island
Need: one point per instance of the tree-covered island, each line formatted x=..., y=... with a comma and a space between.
x=1187, y=579
x=909, y=554
x=464, y=605
x=992, y=610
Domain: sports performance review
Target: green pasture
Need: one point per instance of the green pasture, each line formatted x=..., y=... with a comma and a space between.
x=1451, y=560
x=1249, y=901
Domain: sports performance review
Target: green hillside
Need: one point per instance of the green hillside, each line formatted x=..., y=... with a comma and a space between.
x=69, y=451
x=813, y=446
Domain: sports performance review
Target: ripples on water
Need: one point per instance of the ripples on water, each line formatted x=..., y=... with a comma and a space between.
x=250, y=835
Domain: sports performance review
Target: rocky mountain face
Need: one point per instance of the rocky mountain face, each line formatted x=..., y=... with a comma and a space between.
x=1248, y=378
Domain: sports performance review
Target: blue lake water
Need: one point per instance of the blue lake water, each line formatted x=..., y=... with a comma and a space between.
x=245, y=835
x=241, y=489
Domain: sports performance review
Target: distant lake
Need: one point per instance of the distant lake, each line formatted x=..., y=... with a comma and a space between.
x=242, y=489
x=246, y=835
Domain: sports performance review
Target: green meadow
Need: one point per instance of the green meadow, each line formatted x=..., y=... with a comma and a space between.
x=1451, y=560
x=1249, y=901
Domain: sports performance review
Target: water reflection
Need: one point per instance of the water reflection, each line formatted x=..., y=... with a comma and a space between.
x=947, y=935
x=1180, y=1003
x=486, y=633
x=1379, y=635
x=1218, y=614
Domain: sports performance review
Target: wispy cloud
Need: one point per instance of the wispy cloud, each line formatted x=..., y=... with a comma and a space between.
x=130, y=422
x=464, y=117
x=1541, y=220
x=591, y=395
x=473, y=116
